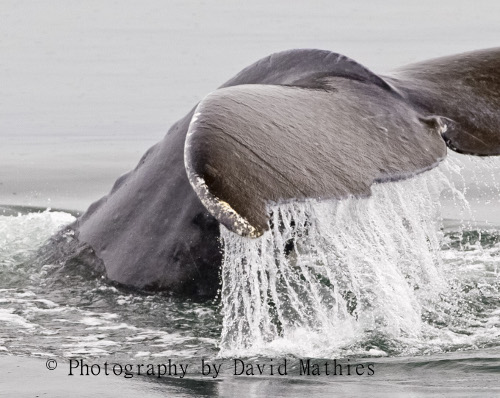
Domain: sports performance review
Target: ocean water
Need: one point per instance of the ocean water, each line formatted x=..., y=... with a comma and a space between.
x=406, y=282
x=384, y=281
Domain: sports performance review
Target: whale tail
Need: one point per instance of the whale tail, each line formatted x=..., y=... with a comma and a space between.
x=295, y=125
x=464, y=90
x=329, y=134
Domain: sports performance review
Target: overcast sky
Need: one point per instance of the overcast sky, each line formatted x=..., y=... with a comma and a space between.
x=99, y=68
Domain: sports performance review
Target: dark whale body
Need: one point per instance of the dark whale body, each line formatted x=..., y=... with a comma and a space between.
x=298, y=124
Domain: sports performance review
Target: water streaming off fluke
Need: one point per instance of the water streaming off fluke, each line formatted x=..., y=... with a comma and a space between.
x=358, y=276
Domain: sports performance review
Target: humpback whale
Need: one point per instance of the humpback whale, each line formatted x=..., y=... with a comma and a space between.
x=295, y=125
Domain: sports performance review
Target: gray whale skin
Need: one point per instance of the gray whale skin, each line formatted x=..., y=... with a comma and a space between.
x=295, y=125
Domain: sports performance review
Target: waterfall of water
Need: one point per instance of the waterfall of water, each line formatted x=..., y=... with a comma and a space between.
x=329, y=275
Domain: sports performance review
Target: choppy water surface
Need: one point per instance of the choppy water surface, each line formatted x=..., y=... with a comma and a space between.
x=71, y=314
x=377, y=277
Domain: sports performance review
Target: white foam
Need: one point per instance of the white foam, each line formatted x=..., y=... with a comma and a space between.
x=22, y=233
x=6, y=316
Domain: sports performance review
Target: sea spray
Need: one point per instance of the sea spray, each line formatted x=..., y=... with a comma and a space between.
x=331, y=274
x=70, y=313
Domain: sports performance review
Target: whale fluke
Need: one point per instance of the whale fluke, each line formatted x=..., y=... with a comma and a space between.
x=464, y=89
x=251, y=145
x=295, y=125
x=330, y=137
